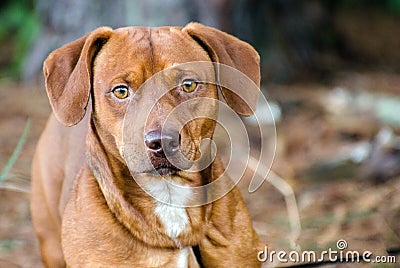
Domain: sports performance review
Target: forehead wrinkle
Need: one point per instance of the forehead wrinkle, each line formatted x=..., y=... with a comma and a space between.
x=151, y=50
x=135, y=46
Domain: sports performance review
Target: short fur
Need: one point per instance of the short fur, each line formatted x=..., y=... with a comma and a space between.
x=86, y=208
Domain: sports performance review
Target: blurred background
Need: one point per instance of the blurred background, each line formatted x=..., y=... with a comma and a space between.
x=330, y=69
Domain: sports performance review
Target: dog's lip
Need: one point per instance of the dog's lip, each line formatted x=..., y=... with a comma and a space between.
x=163, y=170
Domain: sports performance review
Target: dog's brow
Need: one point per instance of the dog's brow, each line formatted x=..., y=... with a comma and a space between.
x=175, y=74
x=131, y=77
x=179, y=72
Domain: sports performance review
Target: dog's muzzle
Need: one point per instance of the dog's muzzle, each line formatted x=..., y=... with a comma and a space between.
x=160, y=146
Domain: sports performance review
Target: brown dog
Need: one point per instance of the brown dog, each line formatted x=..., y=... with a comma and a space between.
x=87, y=209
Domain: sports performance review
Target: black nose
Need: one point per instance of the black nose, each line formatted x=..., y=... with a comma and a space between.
x=161, y=145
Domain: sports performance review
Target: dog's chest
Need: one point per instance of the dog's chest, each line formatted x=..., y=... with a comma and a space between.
x=170, y=206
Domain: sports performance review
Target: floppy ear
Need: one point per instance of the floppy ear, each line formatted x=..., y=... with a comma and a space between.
x=226, y=49
x=68, y=74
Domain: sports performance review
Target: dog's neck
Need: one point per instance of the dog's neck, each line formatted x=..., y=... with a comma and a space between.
x=155, y=223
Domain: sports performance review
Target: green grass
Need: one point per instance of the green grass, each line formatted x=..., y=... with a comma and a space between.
x=14, y=156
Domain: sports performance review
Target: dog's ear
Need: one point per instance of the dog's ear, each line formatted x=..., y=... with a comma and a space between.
x=68, y=74
x=226, y=49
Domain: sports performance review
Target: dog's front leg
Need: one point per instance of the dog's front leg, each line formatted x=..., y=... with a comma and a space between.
x=230, y=239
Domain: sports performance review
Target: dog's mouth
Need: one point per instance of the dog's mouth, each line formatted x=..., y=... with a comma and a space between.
x=162, y=167
x=166, y=170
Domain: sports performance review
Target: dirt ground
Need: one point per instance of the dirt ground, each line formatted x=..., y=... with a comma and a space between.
x=18, y=244
x=315, y=134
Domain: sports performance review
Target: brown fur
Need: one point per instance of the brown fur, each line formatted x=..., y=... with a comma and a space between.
x=86, y=208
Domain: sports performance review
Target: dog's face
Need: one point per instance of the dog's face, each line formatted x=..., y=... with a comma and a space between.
x=133, y=56
x=136, y=79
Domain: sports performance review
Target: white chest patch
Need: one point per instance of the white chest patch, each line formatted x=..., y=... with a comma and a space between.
x=171, y=199
x=183, y=259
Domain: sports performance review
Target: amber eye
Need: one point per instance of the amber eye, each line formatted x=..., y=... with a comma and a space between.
x=121, y=92
x=189, y=85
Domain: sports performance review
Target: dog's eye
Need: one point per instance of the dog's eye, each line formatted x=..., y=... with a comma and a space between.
x=189, y=85
x=121, y=92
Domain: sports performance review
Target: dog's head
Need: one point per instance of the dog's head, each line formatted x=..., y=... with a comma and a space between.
x=137, y=76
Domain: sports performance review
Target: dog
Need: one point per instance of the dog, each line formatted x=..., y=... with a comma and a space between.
x=88, y=207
